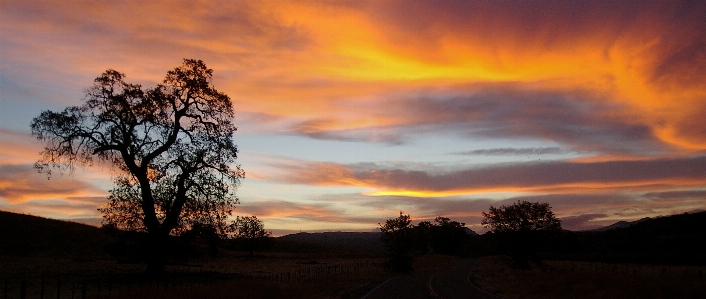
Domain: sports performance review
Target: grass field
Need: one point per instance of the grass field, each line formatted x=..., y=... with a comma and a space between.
x=232, y=275
x=45, y=258
x=566, y=279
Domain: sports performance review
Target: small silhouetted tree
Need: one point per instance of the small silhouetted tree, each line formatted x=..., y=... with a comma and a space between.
x=520, y=225
x=397, y=237
x=170, y=149
x=521, y=216
x=250, y=231
x=422, y=235
x=443, y=236
x=447, y=236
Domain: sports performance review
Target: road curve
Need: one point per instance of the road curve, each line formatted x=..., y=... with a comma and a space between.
x=453, y=282
x=403, y=287
x=450, y=281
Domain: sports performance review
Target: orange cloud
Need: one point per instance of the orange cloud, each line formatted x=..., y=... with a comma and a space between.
x=21, y=183
x=299, y=60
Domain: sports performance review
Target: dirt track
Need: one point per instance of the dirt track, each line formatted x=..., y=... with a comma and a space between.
x=448, y=282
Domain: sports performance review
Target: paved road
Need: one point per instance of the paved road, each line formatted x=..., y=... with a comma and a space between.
x=448, y=282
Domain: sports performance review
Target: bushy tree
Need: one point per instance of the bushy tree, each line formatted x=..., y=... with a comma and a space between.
x=170, y=149
x=447, y=236
x=250, y=230
x=522, y=228
x=443, y=236
x=397, y=237
x=521, y=216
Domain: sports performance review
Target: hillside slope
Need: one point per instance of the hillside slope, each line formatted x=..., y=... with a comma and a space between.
x=25, y=235
x=368, y=242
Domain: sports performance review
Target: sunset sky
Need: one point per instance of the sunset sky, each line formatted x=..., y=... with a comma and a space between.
x=349, y=112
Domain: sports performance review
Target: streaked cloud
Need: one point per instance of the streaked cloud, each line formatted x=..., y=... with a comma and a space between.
x=515, y=151
x=20, y=183
x=551, y=176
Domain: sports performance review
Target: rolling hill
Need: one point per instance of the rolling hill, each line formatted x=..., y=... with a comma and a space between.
x=31, y=235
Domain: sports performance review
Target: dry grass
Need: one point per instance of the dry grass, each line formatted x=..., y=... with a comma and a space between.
x=233, y=275
x=352, y=285
x=589, y=280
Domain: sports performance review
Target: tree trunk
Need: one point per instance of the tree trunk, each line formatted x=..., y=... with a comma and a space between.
x=156, y=253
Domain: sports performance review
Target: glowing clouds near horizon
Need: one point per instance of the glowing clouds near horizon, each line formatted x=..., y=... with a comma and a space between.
x=537, y=178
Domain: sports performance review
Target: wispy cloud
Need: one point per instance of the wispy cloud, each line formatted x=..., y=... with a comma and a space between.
x=643, y=61
x=554, y=176
x=514, y=151
x=20, y=183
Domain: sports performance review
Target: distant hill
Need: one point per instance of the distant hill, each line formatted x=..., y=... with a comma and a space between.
x=31, y=235
x=368, y=242
x=673, y=239
x=676, y=239
x=619, y=224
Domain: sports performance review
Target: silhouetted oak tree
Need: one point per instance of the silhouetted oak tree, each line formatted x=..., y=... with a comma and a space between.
x=522, y=227
x=448, y=236
x=170, y=149
x=521, y=216
x=249, y=230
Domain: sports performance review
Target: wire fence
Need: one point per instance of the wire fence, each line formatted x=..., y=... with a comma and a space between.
x=108, y=285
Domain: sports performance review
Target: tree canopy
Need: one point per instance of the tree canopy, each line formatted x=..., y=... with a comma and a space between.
x=398, y=241
x=401, y=239
x=521, y=216
x=170, y=149
x=443, y=236
x=250, y=230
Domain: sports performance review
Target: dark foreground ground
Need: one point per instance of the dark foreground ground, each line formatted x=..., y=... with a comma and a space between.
x=44, y=258
x=450, y=281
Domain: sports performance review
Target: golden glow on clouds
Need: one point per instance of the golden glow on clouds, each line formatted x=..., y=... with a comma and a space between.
x=573, y=188
x=286, y=54
x=350, y=45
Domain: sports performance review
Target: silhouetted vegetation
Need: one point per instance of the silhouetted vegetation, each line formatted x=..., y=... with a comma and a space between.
x=249, y=232
x=39, y=250
x=88, y=262
x=521, y=216
x=443, y=236
x=522, y=229
x=402, y=239
x=676, y=239
x=398, y=238
x=170, y=147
